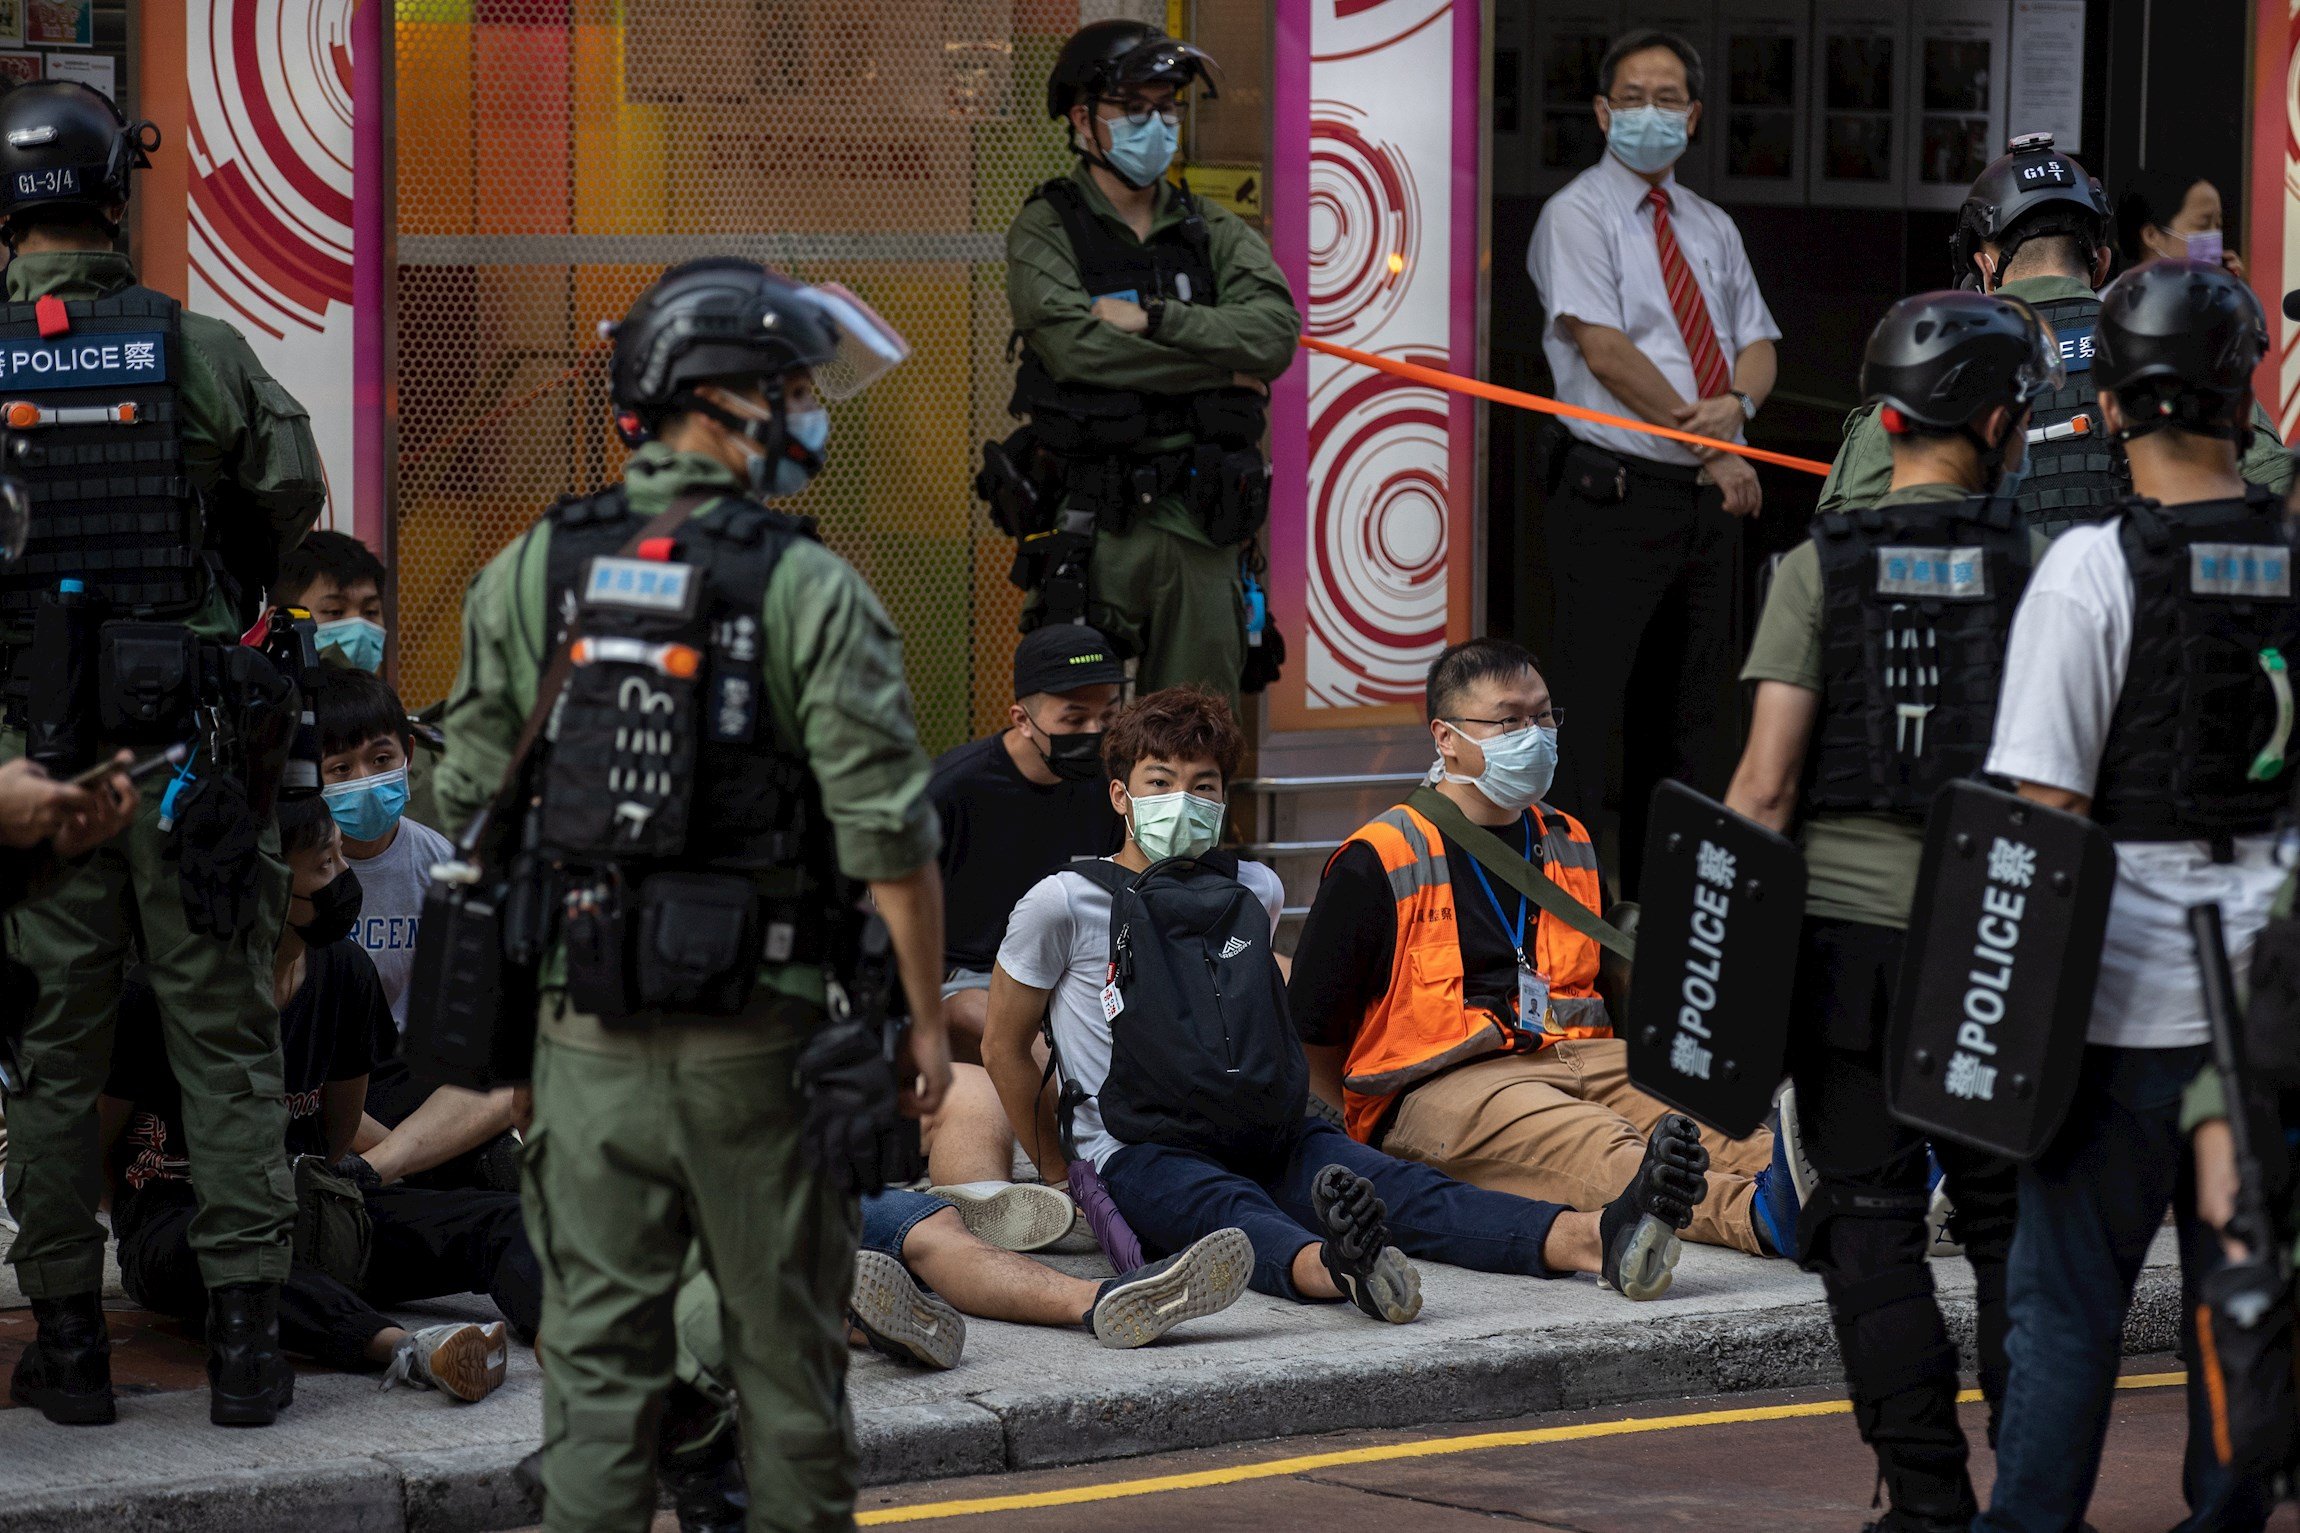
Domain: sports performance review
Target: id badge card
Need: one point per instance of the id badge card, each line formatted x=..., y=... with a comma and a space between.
x=1532, y=999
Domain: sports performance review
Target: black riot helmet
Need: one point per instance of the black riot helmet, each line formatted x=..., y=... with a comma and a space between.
x=1938, y=362
x=65, y=146
x=730, y=321
x=2034, y=189
x=1106, y=57
x=2176, y=344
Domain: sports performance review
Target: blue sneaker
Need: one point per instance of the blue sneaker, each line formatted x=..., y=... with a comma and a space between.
x=1781, y=1192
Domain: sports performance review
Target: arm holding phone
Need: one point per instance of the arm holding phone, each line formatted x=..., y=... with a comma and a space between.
x=73, y=817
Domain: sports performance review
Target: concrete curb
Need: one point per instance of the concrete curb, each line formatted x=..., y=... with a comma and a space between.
x=1393, y=1384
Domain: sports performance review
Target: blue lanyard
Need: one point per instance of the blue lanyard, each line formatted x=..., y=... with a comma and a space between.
x=1495, y=900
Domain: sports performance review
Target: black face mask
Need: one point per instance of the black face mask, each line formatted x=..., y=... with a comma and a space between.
x=1073, y=758
x=335, y=911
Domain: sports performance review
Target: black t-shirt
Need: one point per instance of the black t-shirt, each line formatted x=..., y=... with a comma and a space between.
x=328, y=1032
x=1349, y=942
x=1001, y=834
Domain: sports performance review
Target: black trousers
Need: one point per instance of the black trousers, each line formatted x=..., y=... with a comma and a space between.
x=1865, y=1230
x=428, y=1244
x=1647, y=644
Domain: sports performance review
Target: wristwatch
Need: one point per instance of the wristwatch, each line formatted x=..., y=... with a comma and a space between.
x=1154, y=311
x=1748, y=405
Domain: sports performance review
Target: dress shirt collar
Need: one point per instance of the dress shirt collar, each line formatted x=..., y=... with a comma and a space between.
x=1630, y=187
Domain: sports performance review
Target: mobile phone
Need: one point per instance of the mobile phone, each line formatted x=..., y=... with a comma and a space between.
x=173, y=756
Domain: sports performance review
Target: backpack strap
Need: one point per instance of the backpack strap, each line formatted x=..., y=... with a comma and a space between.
x=1496, y=857
x=1102, y=873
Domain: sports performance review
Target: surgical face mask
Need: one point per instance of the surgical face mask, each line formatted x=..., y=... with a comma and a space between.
x=2207, y=247
x=1072, y=757
x=366, y=808
x=1140, y=152
x=1518, y=766
x=1176, y=825
x=787, y=472
x=358, y=640
x=334, y=911
x=1647, y=139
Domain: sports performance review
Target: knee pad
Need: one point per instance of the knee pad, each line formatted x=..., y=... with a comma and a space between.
x=1851, y=1228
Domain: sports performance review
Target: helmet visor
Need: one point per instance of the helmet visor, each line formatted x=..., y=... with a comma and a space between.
x=1166, y=60
x=868, y=347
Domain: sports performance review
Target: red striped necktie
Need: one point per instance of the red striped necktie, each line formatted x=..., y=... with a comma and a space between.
x=1710, y=374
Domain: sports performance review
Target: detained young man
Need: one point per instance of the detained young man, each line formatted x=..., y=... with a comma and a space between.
x=1329, y=1218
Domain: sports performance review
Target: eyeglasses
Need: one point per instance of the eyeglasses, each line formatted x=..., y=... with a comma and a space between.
x=1138, y=113
x=1552, y=717
x=1668, y=101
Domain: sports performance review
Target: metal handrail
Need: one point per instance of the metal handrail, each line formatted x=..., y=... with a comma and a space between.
x=1318, y=784
x=1282, y=848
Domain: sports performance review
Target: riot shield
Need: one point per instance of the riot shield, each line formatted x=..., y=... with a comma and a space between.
x=1724, y=903
x=1995, y=988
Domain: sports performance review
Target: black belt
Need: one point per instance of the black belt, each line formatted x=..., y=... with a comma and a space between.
x=1648, y=468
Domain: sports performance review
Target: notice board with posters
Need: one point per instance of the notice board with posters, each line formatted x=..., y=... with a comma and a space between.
x=1957, y=96
x=1377, y=206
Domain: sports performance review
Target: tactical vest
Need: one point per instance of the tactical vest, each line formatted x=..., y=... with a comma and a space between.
x=1916, y=603
x=2192, y=749
x=2078, y=478
x=664, y=760
x=89, y=414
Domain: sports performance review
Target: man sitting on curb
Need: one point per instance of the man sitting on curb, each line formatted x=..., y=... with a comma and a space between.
x=1459, y=1025
x=1019, y=804
x=421, y=1244
x=1183, y=1082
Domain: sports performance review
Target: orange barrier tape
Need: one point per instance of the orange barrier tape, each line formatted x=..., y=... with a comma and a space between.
x=1455, y=383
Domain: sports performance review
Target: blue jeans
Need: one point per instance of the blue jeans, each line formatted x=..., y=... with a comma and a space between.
x=889, y=1215
x=2089, y=1207
x=1173, y=1197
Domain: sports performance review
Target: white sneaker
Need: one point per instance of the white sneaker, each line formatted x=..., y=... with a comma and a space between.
x=1014, y=1216
x=460, y=1359
x=901, y=1319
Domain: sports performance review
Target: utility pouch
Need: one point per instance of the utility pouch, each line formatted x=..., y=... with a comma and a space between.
x=619, y=777
x=2272, y=1014
x=1062, y=574
x=1240, y=502
x=1007, y=485
x=470, y=1004
x=1597, y=477
x=1233, y=417
x=1089, y=422
x=148, y=682
x=596, y=934
x=699, y=943
x=1551, y=442
x=61, y=710
x=332, y=1230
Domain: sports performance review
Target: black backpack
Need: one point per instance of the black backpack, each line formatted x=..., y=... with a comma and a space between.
x=1203, y=1055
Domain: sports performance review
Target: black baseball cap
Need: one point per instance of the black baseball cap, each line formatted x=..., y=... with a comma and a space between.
x=1062, y=657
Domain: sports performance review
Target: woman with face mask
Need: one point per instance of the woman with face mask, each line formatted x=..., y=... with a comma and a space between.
x=2171, y=215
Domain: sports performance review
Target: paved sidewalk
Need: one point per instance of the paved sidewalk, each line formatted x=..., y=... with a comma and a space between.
x=351, y=1460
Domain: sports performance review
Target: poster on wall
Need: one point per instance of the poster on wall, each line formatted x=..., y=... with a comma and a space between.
x=60, y=23
x=1375, y=214
x=271, y=107
x=1758, y=94
x=1959, y=55
x=1860, y=51
x=1569, y=42
x=2047, y=72
x=1696, y=22
x=20, y=68
x=11, y=21
x=91, y=69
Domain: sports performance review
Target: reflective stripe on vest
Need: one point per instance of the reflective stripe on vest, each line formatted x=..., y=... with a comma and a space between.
x=1421, y=1025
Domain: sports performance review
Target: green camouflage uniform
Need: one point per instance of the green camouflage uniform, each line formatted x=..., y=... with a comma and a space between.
x=248, y=448
x=1863, y=470
x=648, y=1142
x=1161, y=591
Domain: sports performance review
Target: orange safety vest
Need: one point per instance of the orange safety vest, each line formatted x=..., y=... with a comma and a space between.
x=1421, y=1025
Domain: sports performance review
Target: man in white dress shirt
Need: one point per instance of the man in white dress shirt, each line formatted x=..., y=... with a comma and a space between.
x=1653, y=313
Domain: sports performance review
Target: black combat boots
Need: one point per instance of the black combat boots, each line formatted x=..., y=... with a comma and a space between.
x=66, y=1374
x=700, y=1456
x=249, y=1382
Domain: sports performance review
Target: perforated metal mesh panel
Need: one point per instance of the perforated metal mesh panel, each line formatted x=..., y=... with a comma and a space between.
x=554, y=155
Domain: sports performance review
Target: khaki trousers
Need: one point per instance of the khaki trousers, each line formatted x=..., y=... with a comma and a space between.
x=1565, y=1125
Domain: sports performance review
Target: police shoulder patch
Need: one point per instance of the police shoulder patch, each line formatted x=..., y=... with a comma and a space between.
x=1933, y=574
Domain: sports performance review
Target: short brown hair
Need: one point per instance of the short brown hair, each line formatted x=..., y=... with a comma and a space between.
x=1185, y=723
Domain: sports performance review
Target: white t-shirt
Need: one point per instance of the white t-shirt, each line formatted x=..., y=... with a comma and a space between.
x=1595, y=258
x=391, y=886
x=2064, y=668
x=1058, y=939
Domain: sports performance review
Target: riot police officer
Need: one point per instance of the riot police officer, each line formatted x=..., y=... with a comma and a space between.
x=2036, y=227
x=1151, y=324
x=168, y=472
x=1877, y=662
x=2147, y=684
x=733, y=742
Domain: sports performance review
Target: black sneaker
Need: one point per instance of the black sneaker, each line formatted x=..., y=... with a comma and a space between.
x=1136, y=1308
x=66, y=1374
x=1637, y=1232
x=1373, y=1274
x=901, y=1319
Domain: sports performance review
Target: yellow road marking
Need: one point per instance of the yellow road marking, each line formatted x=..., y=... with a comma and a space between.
x=1427, y=1447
